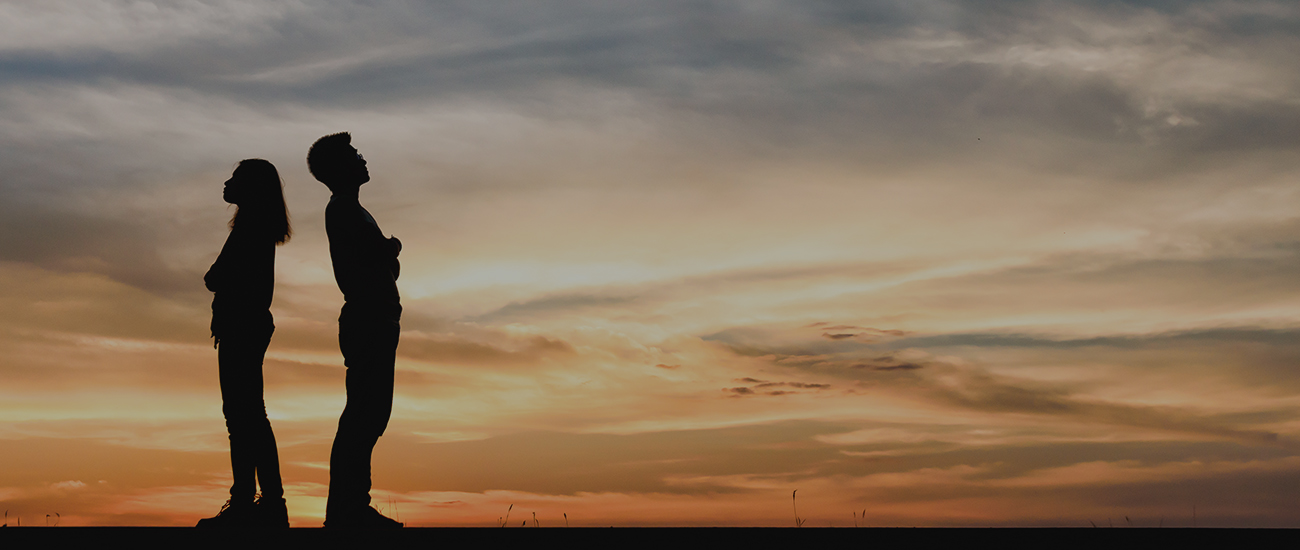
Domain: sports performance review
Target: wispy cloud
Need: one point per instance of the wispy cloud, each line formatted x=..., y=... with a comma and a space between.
x=1036, y=260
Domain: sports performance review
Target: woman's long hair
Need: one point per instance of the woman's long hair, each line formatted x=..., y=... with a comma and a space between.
x=262, y=207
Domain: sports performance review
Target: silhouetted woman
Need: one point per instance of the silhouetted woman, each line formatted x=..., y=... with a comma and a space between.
x=243, y=279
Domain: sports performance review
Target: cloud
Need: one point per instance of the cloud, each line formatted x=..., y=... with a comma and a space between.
x=866, y=334
x=552, y=305
x=34, y=459
x=807, y=385
x=902, y=366
x=77, y=243
x=454, y=349
x=1282, y=337
x=985, y=392
x=1044, y=240
x=763, y=384
x=96, y=306
x=577, y=463
x=824, y=71
x=952, y=382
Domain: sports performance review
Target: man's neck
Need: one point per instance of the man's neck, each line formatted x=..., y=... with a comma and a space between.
x=349, y=192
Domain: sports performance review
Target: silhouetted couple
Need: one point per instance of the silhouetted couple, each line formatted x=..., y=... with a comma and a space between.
x=243, y=278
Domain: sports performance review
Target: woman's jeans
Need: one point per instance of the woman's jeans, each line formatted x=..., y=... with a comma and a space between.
x=253, y=456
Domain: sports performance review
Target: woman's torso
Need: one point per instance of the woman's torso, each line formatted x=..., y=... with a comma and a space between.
x=243, y=278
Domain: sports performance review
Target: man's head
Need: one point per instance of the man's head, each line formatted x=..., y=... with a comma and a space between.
x=335, y=163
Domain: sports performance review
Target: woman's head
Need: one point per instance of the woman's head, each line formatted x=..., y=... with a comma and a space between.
x=255, y=188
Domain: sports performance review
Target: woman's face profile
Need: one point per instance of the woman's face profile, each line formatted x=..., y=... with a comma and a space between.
x=234, y=191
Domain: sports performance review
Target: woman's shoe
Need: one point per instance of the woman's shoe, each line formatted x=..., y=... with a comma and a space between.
x=231, y=516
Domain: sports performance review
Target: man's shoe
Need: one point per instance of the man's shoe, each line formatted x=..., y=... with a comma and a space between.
x=363, y=519
x=272, y=513
x=231, y=516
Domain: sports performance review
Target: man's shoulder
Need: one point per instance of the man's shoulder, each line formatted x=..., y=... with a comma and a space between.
x=340, y=209
x=341, y=203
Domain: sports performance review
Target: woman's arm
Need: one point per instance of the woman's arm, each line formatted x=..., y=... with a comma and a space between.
x=218, y=275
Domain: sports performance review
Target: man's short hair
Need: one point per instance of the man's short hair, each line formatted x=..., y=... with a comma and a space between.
x=324, y=157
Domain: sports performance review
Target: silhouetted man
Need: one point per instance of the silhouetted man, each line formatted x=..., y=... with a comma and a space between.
x=366, y=268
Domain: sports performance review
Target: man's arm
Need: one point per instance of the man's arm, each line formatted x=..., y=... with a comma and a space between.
x=365, y=262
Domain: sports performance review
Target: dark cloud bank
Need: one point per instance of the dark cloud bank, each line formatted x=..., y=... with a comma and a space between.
x=887, y=82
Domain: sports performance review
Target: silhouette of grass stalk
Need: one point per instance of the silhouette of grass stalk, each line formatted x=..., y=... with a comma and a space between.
x=798, y=522
x=506, y=520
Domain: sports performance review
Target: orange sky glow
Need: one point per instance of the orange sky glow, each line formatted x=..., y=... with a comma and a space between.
x=926, y=263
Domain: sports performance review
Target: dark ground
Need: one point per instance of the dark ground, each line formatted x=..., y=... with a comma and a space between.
x=571, y=538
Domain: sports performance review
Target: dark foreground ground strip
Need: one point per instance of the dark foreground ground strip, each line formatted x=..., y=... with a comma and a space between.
x=186, y=537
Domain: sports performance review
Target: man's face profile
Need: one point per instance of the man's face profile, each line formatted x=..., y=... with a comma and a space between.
x=353, y=166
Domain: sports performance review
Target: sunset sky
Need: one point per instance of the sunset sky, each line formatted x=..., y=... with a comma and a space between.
x=927, y=262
